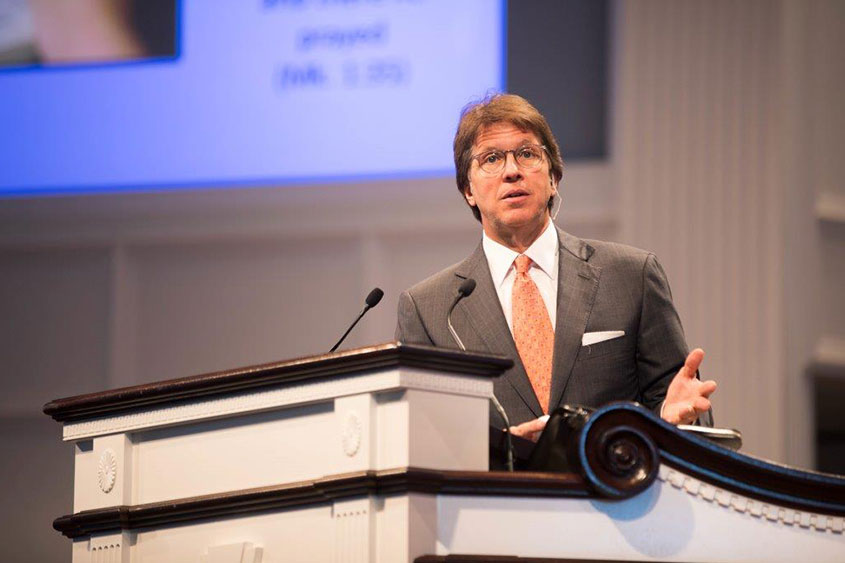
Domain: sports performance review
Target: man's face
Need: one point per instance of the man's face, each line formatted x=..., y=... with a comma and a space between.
x=512, y=203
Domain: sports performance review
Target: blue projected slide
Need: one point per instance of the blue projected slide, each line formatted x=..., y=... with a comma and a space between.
x=258, y=92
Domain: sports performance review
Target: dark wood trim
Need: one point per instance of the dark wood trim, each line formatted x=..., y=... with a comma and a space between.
x=617, y=449
x=337, y=364
x=277, y=497
x=746, y=475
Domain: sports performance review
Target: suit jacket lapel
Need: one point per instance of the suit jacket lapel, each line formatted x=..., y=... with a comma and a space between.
x=578, y=283
x=484, y=314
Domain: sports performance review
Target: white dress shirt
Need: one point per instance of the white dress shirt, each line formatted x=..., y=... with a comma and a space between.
x=544, y=270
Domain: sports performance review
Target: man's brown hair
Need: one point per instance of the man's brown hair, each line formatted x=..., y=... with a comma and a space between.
x=501, y=108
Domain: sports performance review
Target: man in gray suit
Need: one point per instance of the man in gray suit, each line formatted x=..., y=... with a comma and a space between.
x=586, y=322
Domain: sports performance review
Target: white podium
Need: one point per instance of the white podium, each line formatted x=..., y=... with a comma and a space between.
x=380, y=454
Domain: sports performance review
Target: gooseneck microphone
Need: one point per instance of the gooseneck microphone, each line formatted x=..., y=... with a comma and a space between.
x=464, y=290
x=371, y=301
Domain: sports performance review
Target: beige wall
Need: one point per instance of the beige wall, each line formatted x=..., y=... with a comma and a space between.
x=727, y=159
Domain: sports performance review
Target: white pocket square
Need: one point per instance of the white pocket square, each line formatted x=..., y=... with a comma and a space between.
x=596, y=337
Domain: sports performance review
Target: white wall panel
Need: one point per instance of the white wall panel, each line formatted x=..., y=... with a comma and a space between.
x=54, y=337
x=208, y=306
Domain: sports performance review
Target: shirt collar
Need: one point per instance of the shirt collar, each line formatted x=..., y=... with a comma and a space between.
x=543, y=252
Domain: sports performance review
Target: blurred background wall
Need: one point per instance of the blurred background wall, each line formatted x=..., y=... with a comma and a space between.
x=725, y=156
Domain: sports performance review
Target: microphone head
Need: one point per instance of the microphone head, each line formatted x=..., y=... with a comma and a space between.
x=466, y=287
x=374, y=297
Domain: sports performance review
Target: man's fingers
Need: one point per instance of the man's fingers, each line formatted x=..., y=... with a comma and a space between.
x=530, y=430
x=701, y=405
x=537, y=424
x=707, y=388
x=685, y=412
x=689, y=412
x=692, y=362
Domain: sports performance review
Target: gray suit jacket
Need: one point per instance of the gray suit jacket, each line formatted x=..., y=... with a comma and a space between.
x=602, y=286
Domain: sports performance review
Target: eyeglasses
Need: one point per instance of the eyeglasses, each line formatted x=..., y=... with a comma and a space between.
x=527, y=157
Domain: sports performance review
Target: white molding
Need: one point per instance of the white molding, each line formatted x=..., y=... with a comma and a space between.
x=272, y=212
x=107, y=470
x=745, y=505
x=110, y=547
x=279, y=397
x=354, y=536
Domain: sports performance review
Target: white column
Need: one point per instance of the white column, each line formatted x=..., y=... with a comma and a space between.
x=695, y=146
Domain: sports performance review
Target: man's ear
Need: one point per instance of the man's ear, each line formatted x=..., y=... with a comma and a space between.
x=469, y=196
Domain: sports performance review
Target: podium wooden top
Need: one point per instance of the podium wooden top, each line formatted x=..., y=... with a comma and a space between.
x=343, y=363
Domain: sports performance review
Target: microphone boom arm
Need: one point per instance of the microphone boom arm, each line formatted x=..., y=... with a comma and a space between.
x=371, y=301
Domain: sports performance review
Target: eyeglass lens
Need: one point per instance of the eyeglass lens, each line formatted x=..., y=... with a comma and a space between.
x=527, y=157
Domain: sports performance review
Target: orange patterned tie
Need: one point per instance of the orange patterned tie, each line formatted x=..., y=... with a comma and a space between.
x=532, y=331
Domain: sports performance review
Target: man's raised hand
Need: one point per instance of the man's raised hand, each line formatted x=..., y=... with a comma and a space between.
x=687, y=397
